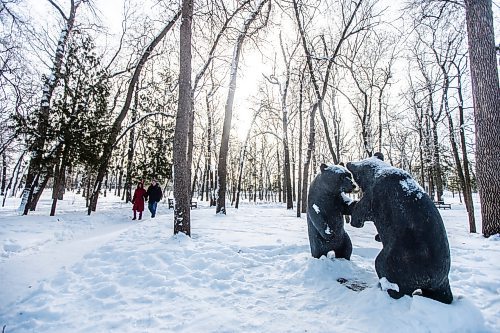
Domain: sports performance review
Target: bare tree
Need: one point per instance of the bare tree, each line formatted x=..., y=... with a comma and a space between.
x=486, y=99
x=445, y=56
x=467, y=183
x=283, y=90
x=224, y=148
x=355, y=19
x=434, y=116
x=228, y=18
x=299, y=168
x=243, y=153
x=117, y=124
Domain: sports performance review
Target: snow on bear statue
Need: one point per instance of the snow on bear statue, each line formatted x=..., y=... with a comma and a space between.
x=326, y=205
x=415, y=253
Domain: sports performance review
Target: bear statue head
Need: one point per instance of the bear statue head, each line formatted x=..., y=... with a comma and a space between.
x=337, y=174
x=365, y=171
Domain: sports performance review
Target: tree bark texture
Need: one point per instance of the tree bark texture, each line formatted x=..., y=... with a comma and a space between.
x=486, y=97
x=182, y=214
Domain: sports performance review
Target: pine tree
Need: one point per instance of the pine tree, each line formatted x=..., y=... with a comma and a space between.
x=79, y=117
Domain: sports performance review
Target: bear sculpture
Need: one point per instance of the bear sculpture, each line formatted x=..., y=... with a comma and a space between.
x=326, y=206
x=415, y=253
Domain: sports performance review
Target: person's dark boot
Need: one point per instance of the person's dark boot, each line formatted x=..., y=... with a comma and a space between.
x=140, y=215
x=134, y=216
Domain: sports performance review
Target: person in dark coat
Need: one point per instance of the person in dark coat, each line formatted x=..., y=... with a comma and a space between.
x=138, y=200
x=154, y=195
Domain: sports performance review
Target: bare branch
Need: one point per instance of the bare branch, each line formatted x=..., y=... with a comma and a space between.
x=56, y=6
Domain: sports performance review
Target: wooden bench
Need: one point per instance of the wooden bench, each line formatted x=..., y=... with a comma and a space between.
x=194, y=203
x=440, y=204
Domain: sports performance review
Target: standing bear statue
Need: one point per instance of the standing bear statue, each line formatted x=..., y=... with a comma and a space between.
x=326, y=206
x=415, y=253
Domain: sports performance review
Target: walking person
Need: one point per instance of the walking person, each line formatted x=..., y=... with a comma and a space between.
x=154, y=195
x=138, y=200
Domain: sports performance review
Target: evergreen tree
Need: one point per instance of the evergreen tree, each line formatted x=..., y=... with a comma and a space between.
x=79, y=117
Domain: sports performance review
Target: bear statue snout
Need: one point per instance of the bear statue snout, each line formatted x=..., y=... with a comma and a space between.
x=349, y=186
x=357, y=223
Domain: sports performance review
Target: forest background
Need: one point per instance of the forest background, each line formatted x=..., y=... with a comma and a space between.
x=93, y=98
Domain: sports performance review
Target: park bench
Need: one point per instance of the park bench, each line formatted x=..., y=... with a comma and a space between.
x=194, y=203
x=440, y=204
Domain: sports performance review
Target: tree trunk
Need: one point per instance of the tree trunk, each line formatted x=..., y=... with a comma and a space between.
x=203, y=182
x=327, y=134
x=299, y=169
x=421, y=152
x=195, y=178
x=436, y=167
x=279, y=175
x=310, y=149
x=130, y=152
x=182, y=211
x=486, y=96
x=38, y=190
x=460, y=173
x=242, y=159
x=428, y=155
x=379, y=114
x=4, y=173
x=465, y=159
x=87, y=188
x=20, y=171
x=208, y=157
x=15, y=172
x=286, y=150
x=59, y=180
x=120, y=176
x=444, y=103
x=224, y=147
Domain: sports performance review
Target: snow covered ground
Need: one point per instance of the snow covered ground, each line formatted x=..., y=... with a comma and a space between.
x=249, y=271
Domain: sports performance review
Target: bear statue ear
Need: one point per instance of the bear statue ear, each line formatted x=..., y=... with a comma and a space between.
x=323, y=167
x=379, y=155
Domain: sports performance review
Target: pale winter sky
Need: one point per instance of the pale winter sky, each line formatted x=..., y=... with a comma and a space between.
x=252, y=64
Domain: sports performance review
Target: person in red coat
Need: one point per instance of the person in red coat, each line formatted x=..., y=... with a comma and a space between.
x=138, y=200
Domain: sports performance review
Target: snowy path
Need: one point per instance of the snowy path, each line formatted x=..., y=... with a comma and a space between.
x=24, y=272
x=249, y=271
